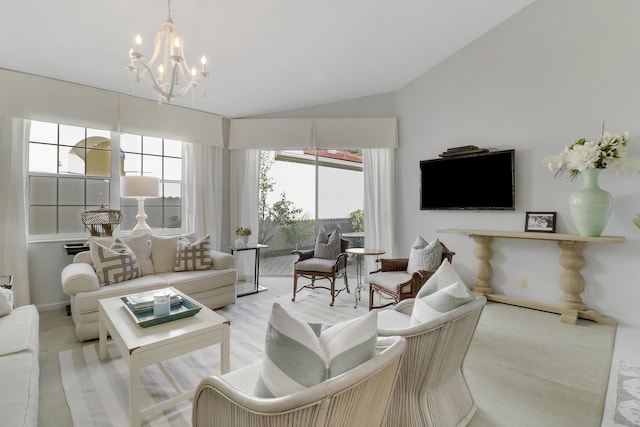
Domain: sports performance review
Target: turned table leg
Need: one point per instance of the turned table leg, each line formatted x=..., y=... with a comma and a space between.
x=483, y=269
x=571, y=281
x=572, y=285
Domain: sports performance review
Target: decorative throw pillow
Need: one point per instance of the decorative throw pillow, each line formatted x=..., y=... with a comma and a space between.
x=6, y=301
x=327, y=247
x=114, y=264
x=296, y=358
x=424, y=256
x=193, y=256
x=163, y=251
x=140, y=244
x=444, y=276
x=439, y=302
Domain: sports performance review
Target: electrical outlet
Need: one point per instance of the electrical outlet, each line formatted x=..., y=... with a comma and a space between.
x=523, y=283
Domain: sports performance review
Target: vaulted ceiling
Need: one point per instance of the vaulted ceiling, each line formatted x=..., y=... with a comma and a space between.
x=264, y=55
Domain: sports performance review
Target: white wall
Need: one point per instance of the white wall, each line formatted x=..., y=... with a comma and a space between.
x=546, y=77
x=541, y=80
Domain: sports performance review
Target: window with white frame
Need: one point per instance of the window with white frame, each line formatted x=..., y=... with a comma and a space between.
x=73, y=168
x=162, y=158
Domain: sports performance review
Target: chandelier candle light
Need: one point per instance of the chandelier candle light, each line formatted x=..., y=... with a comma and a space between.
x=141, y=188
x=591, y=206
x=174, y=76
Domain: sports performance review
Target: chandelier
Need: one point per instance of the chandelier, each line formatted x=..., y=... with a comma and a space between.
x=174, y=78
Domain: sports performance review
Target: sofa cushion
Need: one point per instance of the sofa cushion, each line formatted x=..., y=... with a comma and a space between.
x=439, y=302
x=295, y=357
x=164, y=250
x=19, y=393
x=444, y=276
x=20, y=331
x=6, y=301
x=424, y=255
x=87, y=302
x=114, y=264
x=140, y=244
x=327, y=247
x=193, y=256
x=193, y=282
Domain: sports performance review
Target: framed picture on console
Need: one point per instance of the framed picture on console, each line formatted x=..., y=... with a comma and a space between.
x=540, y=222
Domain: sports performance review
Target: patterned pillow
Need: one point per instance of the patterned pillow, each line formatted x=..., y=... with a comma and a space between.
x=193, y=256
x=444, y=276
x=296, y=358
x=439, y=302
x=424, y=256
x=140, y=244
x=114, y=264
x=327, y=247
x=163, y=251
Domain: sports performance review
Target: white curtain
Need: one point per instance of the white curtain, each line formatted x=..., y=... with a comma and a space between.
x=244, y=198
x=378, y=202
x=203, y=197
x=14, y=142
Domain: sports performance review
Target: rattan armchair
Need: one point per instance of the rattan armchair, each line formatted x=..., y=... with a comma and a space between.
x=312, y=268
x=358, y=397
x=392, y=282
x=431, y=390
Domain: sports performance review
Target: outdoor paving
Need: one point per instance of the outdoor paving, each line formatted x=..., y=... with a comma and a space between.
x=277, y=265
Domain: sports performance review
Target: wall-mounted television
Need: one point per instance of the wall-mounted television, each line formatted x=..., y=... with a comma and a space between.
x=485, y=181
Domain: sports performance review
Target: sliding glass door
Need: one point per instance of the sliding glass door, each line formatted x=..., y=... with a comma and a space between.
x=302, y=191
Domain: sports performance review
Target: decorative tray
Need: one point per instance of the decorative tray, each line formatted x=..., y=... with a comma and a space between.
x=184, y=307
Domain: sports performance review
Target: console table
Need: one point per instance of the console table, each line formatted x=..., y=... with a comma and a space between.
x=570, y=306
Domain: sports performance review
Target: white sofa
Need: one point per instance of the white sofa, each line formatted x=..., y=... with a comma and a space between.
x=156, y=256
x=19, y=367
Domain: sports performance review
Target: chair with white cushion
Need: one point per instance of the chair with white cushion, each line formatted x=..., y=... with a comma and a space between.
x=431, y=389
x=398, y=279
x=357, y=397
x=328, y=260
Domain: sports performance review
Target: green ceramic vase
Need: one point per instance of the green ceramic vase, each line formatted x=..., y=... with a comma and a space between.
x=590, y=206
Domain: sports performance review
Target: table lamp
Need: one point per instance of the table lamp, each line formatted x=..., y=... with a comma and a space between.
x=140, y=187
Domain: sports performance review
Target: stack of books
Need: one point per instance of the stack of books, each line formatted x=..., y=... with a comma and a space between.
x=465, y=149
x=144, y=301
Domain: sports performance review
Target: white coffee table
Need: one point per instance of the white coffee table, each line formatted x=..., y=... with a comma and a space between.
x=141, y=347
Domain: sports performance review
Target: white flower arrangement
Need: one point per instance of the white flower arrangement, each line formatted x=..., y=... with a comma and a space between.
x=609, y=151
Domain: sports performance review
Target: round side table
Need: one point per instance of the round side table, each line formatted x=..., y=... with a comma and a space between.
x=360, y=253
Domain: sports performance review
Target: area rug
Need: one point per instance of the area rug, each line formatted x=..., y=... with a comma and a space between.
x=524, y=367
x=97, y=392
x=627, y=412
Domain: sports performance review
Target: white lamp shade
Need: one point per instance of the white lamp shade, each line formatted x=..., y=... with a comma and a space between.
x=139, y=186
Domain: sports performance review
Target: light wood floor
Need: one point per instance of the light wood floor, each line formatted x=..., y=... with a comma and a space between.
x=57, y=334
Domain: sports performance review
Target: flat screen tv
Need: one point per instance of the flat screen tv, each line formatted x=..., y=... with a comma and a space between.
x=484, y=181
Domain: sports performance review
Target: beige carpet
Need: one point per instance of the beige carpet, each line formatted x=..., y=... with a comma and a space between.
x=524, y=367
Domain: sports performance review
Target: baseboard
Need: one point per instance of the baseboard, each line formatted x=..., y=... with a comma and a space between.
x=52, y=306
